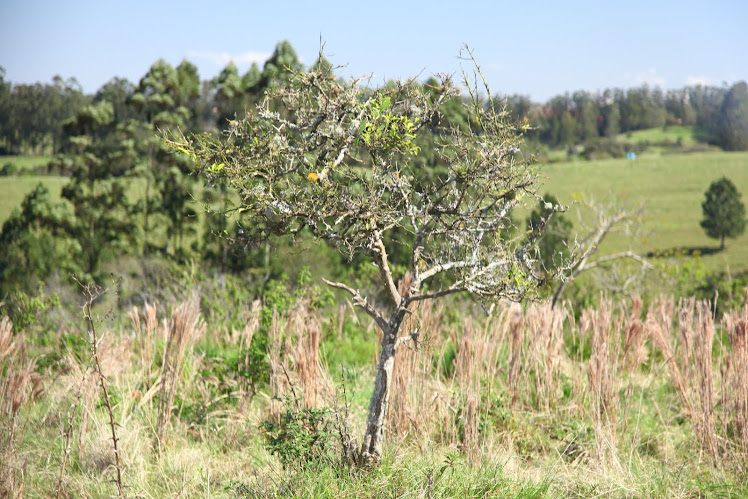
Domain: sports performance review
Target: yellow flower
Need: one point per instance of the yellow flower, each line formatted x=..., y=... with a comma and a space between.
x=312, y=177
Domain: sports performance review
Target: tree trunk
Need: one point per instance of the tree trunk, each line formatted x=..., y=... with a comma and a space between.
x=557, y=294
x=371, y=449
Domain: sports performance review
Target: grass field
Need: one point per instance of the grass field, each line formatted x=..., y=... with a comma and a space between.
x=670, y=186
x=519, y=404
x=25, y=162
x=14, y=189
x=672, y=190
x=619, y=400
x=653, y=135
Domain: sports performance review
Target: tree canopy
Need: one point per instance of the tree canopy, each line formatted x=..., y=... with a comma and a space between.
x=724, y=213
x=340, y=160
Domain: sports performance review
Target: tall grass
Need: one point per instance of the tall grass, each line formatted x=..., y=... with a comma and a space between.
x=184, y=328
x=19, y=384
x=612, y=396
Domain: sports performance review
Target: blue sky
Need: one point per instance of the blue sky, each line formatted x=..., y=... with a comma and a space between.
x=533, y=48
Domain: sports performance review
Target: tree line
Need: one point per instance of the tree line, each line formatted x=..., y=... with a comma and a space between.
x=33, y=116
x=720, y=114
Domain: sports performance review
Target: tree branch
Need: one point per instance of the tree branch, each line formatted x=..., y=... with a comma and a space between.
x=437, y=294
x=380, y=255
x=360, y=301
x=617, y=256
x=593, y=241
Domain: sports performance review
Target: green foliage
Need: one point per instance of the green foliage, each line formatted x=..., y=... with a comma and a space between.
x=25, y=310
x=724, y=213
x=732, y=127
x=302, y=438
x=29, y=246
x=32, y=115
x=8, y=170
x=280, y=66
x=383, y=130
x=604, y=147
x=552, y=247
x=354, y=349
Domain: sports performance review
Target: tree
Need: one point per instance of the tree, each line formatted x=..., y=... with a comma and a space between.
x=102, y=219
x=251, y=79
x=228, y=94
x=724, y=213
x=732, y=125
x=281, y=65
x=582, y=259
x=5, y=111
x=29, y=247
x=339, y=160
x=164, y=97
x=611, y=115
x=553, y=246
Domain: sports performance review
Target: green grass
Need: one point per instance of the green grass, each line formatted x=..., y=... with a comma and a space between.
x=25, y=162
x=14, y=189
x=653, y=135
x=672, y=186
x=672, y=189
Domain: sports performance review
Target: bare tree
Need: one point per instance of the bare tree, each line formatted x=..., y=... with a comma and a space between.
x=340, y=160
x=605, y=220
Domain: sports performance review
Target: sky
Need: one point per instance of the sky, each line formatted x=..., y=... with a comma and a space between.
x=534, y=48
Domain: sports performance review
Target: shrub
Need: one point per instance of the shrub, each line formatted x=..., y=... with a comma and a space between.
x=8, y=170
x=301, y=438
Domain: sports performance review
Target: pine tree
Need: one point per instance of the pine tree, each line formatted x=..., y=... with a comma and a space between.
x=724, y=213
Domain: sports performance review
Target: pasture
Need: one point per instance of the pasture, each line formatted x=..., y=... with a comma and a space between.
x=25, y=162
x=504, y=405
x=671, y=188
x=14, y=189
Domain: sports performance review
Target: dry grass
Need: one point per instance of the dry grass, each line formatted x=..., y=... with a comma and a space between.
x=522, y=386
x=19, y=384
x=602, y=373
x=296, y=370
x=184, y=328
x=735, y=378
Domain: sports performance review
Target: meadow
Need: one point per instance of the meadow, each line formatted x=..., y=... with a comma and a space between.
x=669, y=188
x=15, y=188
x=623, y=401
x=25, y=163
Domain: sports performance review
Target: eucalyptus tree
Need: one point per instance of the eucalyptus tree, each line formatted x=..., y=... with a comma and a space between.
x=229, y=94
x=732, y=124
x=340, y=160
x=103, y=216
x=281, y=66
x=165, y=98
x=29, y=247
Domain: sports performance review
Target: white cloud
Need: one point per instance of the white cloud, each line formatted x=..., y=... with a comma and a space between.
x=223, y=58
x=650, y=78
x=699, y=80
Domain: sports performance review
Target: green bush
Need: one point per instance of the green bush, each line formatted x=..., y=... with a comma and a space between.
x=8, y=170
x=302, y=438
x=25, y=310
